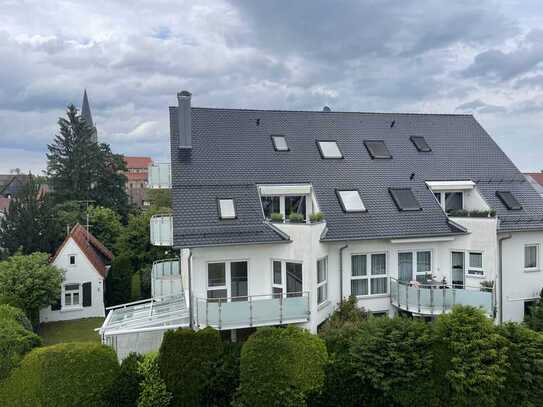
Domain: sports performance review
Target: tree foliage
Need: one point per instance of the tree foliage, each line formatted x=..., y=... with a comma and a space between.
x=80, y=169
x=30, y=283
x=29, y=225
x=125, y=389
x=119, y=281
x=153, y=391
x=285, y=365
x=63, y=375
x=534, y=319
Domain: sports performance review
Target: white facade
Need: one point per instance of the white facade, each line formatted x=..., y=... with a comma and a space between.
x=76, y=275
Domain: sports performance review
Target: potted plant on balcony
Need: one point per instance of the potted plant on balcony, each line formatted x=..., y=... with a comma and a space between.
x=276, y=217
x=487, y=286
x=296, y=217
x=316, y=217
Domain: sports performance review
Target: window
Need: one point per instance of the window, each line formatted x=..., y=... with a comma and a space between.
x=329, y=149
x=421, y=144
x=280, y=143
x=271, y=204
x=377, y=149
x=509, y=200
x=404, y=199
x=227, y=209
x=424, y=265
x=71, y=295
x=372, y=283
x=351, y=201
x=294, y=204
x=531, y=257
x=322, y=280
x=450, y=201
x=475, y=263
x=420, y=262
x=72, y=259
x=287, y=277
x=227, y=281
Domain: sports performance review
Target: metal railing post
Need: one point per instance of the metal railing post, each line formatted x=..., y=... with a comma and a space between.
x=398, y=291
x=431, y=301
x=454, y=297
x=197, y=313
x=220, y=314
x=444, y=297
x=207, y=312
x=407, y=297
x=308, y=306
x=250, y=311
x=281, y=310
x=418, y=298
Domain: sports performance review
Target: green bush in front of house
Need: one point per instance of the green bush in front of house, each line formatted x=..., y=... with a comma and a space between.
x=281, y=366
x=15, y=341
x=16, y=314
x=187, y=360
x=64, y=375
x=153, y=391
x=125, y=390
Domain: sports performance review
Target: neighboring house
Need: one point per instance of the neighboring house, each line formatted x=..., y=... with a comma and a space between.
x=86, y=262
x=12, y=184
x=536, y=179
x=137, y=178
x=421, y=212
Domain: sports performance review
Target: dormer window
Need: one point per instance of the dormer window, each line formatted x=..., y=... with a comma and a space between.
x=329, y=149
x=509, y=200
x=279, y=143
x=227, y=209
x=377, y=149
x=450, y=201
x=351, y=201
x=279, y=201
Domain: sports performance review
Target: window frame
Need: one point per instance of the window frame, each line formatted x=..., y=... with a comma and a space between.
x=442, y=199
x=273, y=137
x=501, y=196
x=324, y=283
x=283, y=284
x=369, y=276
x=323, y=156
x=537, y=258
x=396, y=201
x=414, y=262
x=219, y=209
x=227, y=279
x=70, y=256
x=477, y=271
x=420, y=149
x=369, y=148
x=64, y=305
x=342, y=204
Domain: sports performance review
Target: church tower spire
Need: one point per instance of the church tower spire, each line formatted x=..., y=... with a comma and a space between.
x=87, y=116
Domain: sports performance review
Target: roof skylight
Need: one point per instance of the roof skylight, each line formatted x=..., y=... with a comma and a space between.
x=329, y=149
x=377, y=149
x=421, y=144
x=404, y=199
x=509, y=200
x=227, y=209
x=279, y=143
x=351, y=201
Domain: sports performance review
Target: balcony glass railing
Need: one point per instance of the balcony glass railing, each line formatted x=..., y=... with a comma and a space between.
x=166, y=279
x=160, y=175
x=161, y=230
x=254, y=310
x=438, y=298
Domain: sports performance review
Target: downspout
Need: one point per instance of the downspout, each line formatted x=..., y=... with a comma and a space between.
x=500, y=275
x=189, y=272
x=341, y=271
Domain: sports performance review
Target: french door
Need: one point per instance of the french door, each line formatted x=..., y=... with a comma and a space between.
x=287, y=278
x=457, y=269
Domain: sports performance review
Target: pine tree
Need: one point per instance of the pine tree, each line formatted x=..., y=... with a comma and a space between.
x=80, y=169
x=29, y=225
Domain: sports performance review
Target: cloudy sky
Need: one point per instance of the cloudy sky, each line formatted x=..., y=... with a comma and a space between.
x=483, y=57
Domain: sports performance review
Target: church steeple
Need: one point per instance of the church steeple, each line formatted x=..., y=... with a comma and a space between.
x=87, y=115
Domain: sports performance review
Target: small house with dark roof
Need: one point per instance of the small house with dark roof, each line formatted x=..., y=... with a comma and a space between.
x=85, y=261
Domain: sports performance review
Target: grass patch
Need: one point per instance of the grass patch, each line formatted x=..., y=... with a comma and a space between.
x=78, y=330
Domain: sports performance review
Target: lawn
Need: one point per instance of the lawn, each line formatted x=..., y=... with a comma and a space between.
x=78, y=330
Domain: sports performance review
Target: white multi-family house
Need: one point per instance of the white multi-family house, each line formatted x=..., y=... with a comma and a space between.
x=85, y=262
x=278, y=215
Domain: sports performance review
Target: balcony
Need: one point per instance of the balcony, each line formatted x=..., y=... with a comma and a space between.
x=434, y=299
x=160, y=176
x=252, y=311
x=161, y=230
x=166, y=279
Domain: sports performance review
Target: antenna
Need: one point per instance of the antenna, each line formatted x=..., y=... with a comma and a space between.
x=87, y=224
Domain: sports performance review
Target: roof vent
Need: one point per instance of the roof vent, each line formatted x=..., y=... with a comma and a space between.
x=392, y=123
x=326, y=109
x=184, y=128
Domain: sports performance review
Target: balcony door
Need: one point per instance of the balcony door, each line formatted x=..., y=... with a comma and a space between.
x=287, y=278
x=457, y=269
x=227, y=281
x=405, y=266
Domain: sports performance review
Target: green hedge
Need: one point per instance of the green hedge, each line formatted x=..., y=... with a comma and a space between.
x=64, y=375
x=281, y=366
x=15, y=341
x=125, y=390
x=153, y=391
x=16, y=314
x=187, y=359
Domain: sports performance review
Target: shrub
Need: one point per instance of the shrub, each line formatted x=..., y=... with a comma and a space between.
x=153, y=391
x=119, y=281
x=186, y=359
x=70, y=374
x=525, y=375
x=534, y=319
x=15, y=341
x=276, y=217
x=316, y=217
x=125, y=389
x=221, y=386
x=16, y=314
x=470, y=359
x=281, y=366
x=296, y=217
x=463, y=213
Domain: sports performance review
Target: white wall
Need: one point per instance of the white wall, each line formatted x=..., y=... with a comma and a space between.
x=83, y=271
x=519, y=285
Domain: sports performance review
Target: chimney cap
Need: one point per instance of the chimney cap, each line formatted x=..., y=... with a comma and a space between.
x=184, y=94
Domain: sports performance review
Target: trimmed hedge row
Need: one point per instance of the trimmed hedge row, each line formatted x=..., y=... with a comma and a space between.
x=64, y=375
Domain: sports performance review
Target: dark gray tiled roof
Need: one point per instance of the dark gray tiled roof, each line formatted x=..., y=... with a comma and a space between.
x=232, y=152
